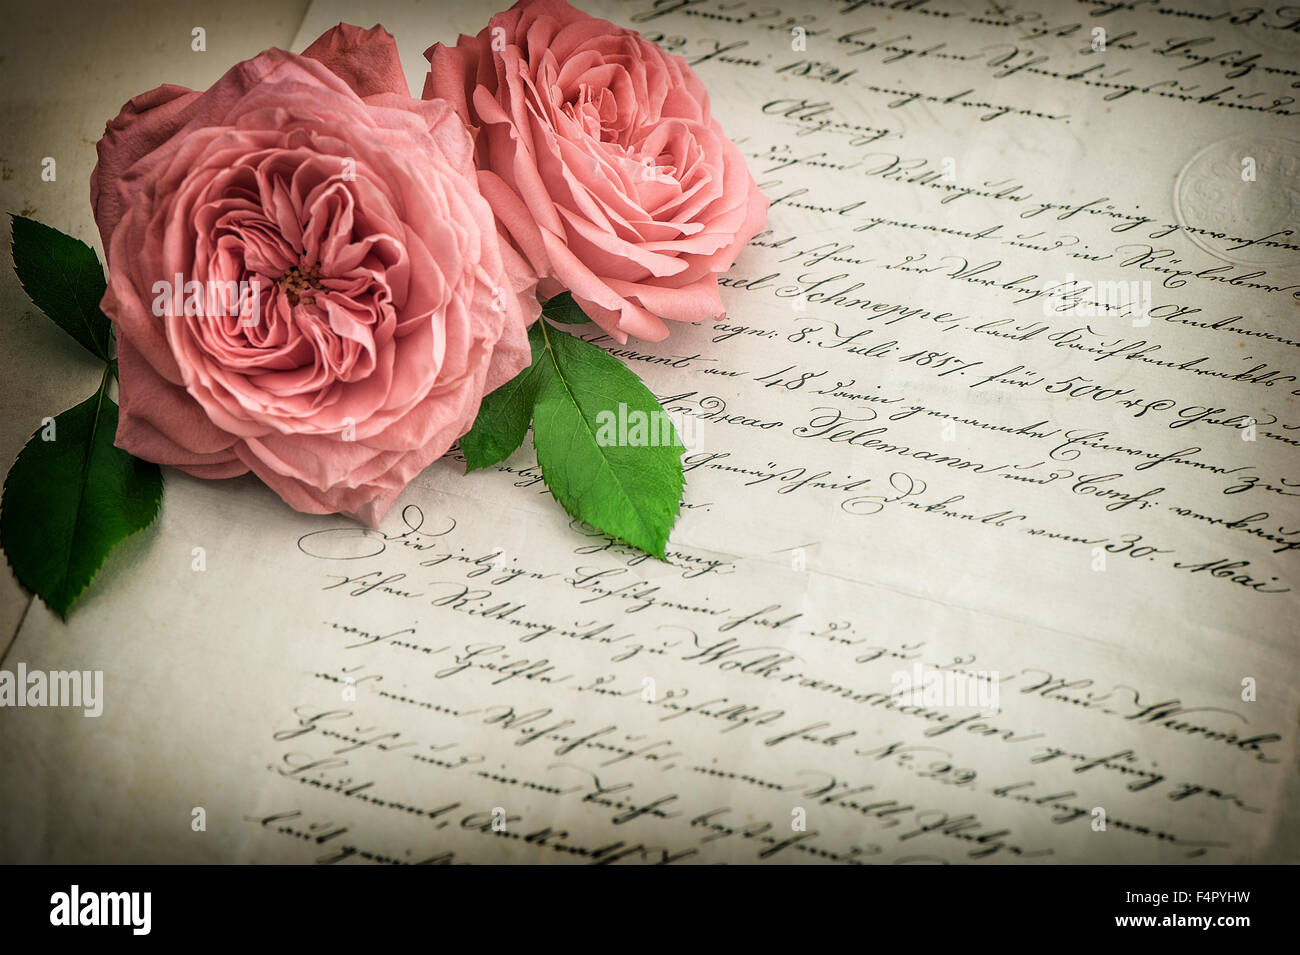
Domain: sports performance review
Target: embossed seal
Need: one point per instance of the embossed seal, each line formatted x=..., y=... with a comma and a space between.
x=1233, y=193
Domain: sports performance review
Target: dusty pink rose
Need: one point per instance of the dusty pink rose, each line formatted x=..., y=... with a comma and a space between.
x=304, y=278
x=602, y=162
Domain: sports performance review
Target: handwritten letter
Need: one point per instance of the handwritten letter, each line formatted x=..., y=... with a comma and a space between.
x=990, y=538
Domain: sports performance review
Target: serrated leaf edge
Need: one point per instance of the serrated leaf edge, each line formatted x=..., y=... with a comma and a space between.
x=100, y=353
x=72, y=598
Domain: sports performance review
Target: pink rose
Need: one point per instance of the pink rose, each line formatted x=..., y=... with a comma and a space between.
x=304, y=278
x=602, y=162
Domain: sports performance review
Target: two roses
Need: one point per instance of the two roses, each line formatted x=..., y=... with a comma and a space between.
x=378, y=257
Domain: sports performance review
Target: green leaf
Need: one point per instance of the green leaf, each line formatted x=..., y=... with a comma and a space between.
x=563, y=309
x=71, y=500
x=600, y=467
x=503, y=416
x=64, y=279
x=502, y=422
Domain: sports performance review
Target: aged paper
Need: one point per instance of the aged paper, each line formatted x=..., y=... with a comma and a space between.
x=990, y=533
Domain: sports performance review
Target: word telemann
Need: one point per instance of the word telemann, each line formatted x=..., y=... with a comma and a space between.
x=56, y=688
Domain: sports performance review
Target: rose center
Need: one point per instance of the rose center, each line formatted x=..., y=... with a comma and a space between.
x=596, y=110
x=300, y=284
